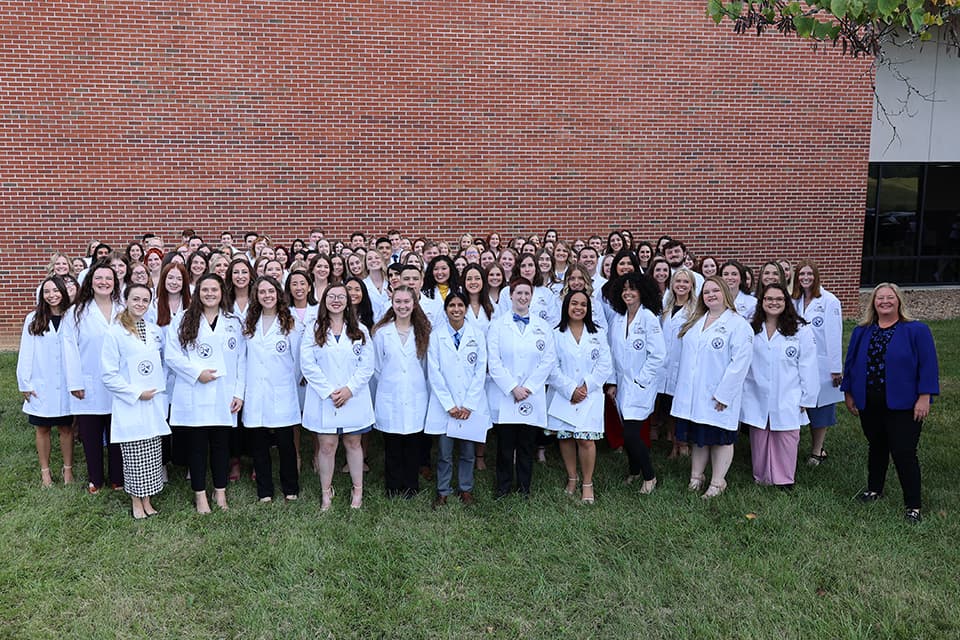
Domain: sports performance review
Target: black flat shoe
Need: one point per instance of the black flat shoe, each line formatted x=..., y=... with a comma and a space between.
x=869, y=496
x=913, y=516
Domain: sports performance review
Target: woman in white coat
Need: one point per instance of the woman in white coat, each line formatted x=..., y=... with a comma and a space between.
x=520, y=356
x=715, y=354
x=298, y=291
x=337, y=360
x=133, y=372
x=401, y=339
x=821, y=309
x=636, y=342
x=96, y=309
x=681, y=302
x=271, y=405
x=42, y=375
x=734, y=276
x=575, y=399
x=206, y=351
x=457, y=410
x=780, y=386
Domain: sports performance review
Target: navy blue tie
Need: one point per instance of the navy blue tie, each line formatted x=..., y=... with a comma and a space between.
x=518, y=318
x=456, y=339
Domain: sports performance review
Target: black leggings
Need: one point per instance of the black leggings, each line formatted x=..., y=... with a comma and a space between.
x=212, y=441
x=638, y=456
x=261, y=439
x=401, y=463
x=892, y=433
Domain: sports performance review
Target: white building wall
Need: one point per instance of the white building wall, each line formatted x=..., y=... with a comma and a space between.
x=927, y=129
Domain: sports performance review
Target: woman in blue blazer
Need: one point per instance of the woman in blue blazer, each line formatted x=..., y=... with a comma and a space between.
x=889, y=376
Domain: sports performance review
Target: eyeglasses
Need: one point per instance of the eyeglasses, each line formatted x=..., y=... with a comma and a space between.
x=337, y=298
x=773, y=300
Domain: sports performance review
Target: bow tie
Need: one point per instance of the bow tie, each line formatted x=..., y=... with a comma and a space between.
x=519, y=318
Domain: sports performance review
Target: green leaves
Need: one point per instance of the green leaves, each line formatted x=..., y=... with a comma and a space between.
x=804, y=26
x=839, y=7
x=886, y=8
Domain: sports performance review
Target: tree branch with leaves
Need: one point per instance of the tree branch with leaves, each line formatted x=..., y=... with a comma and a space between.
x=859, y=26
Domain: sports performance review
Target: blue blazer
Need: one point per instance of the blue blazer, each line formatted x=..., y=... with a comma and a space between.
x=911, y=363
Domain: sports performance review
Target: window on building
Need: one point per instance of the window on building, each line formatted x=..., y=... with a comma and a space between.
x=912, y=224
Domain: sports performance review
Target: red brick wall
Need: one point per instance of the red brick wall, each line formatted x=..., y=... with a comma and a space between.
x=435, y=117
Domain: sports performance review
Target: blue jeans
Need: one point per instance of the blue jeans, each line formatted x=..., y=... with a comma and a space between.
x=445, y=465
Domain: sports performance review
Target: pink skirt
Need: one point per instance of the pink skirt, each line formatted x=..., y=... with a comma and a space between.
x=774, y=455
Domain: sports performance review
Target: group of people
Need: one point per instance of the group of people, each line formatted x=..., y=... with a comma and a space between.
x=196, y=355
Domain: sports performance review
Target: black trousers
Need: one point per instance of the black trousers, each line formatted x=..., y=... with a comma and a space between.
x=401, y=463
x=638, y=456
x=212, y=442
x=515, y=440
x=893, y=434
x=261, y=439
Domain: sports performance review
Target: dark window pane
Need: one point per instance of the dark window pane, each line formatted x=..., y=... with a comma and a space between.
x=943, y=270
x=941, y=211
x=870, y=221
x=898, y=271
x=897, y=210
x=865, y=267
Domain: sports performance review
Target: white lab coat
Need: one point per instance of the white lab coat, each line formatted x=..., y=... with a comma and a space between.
x=41, y=368
x=671, y=325
x=519, y=359
x=273, y=376
x=479, y=319
x=83, y=358
x=432, y=307
x=826, y=320
x=713, y=365
x=746, y=304
x=638, y=356
x=380, y=300
x=194, y=404
x=338, y=363
x=543, y=304
x=588, y=361
x=782, y=378
x=129, y=368
x=402, y=394
x=457, y=377
x=304, y=329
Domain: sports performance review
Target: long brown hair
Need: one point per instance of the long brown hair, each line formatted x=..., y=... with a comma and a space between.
x=163, y=298
x=85, y=294
x=814, y=288
x=41, y=319
x=255, y=310
x=419, y=320
x=322, y=325
x=190, y=324
x=788, y=322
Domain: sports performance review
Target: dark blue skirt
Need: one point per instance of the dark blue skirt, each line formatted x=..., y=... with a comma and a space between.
x=40, y=421
x=704, y=435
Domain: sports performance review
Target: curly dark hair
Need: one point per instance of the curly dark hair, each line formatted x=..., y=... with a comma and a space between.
x=255, y=310
x=788, y=322
x=190, y=324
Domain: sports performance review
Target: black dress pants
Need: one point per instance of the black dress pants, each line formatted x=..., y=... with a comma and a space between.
x=401, y=463
x=515, y=440
x=212, y=442
x=892, y=433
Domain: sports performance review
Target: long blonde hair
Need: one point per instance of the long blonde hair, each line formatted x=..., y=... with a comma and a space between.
x=125, y=318
x=701, y=308
x=691, y=304
x=870, y=313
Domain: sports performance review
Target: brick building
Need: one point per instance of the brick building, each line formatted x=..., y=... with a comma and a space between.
x=434, y=117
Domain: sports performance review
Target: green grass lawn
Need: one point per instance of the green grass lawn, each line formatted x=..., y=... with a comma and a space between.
x=813, y=563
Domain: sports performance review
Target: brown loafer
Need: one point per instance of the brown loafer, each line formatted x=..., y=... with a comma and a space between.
x=440, y=501
x=466, y=498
